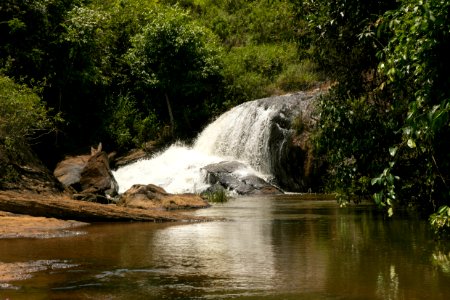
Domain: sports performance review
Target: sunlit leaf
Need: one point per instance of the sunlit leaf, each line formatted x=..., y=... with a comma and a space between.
x=393, y=150
x=411, y=144
x=390, y=211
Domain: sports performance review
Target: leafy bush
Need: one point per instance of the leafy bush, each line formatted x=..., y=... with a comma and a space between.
x=258, y=71
x=22, y=117
x=127, y=127
x=217, y=196
x=384, y=127
x=416, y=66
x=302, y=75
x=440, y=220
x=175, y=61
x=22, y=114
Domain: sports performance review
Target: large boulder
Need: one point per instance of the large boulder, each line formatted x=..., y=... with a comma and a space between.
x=235, y=176
x=88, y=177
x=97, y=178
x=154, y=197
x=23, y=171
x=291, y=151
x=68, y=171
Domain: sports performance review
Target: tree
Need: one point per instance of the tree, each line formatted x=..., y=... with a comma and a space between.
x=342, y=42
x=22, y=117
x=176, y=59
x=385, y=124
x=416, y=66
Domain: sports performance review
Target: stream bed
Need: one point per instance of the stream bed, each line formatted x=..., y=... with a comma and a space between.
x=278, y=247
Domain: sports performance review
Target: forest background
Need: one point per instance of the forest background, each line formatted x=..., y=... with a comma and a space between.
x=123, y=72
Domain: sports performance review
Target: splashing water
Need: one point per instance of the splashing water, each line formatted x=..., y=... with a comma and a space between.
x=177, y=170
x=241, y=134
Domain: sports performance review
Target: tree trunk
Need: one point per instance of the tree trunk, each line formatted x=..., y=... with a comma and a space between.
x=62, y=207
x=172, y=120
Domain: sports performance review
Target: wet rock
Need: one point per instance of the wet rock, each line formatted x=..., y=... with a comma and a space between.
x=97, y=178
x=69, y=171
x=290, y=147
x=88, y=177
x=233, y=175
x=134, y=155
x=24, y=226
x=23, y=171
x=154, y=197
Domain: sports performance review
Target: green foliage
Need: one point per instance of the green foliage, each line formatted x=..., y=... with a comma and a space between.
x=302, y=75
x=86, y=53
x=22, y=117
x=30, y=31
x=175, y=59
x=354, y=134
x=87, y=39
x=239, y=23
x=440, y=220
x=22, y=114
x=416, y=65
x=337, y=32
x=258, y=71
x=127, y=127
x=173, y=52
x=217, y=196
x=387, y=116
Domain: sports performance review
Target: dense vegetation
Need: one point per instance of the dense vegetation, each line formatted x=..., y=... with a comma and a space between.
x=126, y=71
x=384, y=128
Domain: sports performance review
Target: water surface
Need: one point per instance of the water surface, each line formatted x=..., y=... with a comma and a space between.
x=284, y=247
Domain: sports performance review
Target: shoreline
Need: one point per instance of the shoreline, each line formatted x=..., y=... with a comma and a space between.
x=24, y=226
x=26, y=214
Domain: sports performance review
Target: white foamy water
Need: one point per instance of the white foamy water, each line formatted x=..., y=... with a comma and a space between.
x=241, y=134
x=177, y=170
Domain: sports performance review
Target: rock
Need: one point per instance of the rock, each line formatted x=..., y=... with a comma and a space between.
x=154, y=197
x=97, y=178
x=88, y=177
x=91, y=197
x=23, y=171
x=24, y=226
x=134, y=155
x=69, y=171
x=232, y=175
x=290, y=147
x=63, y=207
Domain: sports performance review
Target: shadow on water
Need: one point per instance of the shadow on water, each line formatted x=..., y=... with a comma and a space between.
x=282, y=247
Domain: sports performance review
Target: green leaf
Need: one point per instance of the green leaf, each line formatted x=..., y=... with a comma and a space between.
x=393, y=150
x=390, y=211
x=411, y=144
x=378, y=197
x=375, y=180
x=390, y=179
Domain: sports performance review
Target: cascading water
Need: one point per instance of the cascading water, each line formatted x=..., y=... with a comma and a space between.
x=253, y=133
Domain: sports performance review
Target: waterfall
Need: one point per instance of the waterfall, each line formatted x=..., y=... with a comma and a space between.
x=253, y=133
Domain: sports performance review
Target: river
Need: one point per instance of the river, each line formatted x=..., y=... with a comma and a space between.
x=283, y=247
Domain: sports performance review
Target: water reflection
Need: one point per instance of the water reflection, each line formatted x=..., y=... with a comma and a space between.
x=271, y=248
x=241, y=254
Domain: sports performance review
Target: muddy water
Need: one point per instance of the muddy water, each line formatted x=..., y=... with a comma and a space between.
x=284, y=247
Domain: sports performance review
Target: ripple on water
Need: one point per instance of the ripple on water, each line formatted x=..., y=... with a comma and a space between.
x=16, y=271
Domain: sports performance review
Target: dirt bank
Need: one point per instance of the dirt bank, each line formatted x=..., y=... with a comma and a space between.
x=24, y=226
x=26, y=214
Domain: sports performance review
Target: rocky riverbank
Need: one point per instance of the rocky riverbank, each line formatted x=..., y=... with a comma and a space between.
x=24, y=226
x=40, y=204
x=26, y=211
